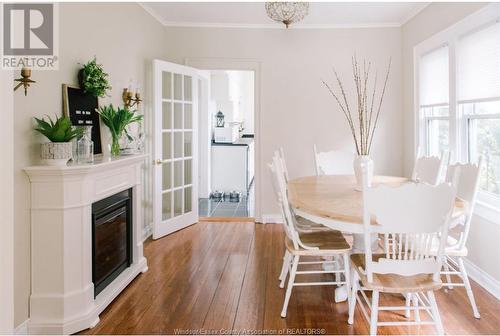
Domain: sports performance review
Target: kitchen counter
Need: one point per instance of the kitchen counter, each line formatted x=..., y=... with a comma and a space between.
x=238, y=142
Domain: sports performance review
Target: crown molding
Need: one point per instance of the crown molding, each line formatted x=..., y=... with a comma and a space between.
x=173, y=24
x=421, y=6
x=278, y=26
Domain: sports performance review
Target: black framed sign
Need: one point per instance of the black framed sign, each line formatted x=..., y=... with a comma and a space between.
x=81, y=107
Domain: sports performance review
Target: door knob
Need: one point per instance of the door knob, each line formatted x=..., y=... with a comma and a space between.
x=158, y=162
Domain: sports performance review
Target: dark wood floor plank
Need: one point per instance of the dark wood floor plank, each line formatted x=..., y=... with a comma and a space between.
x=223, y=308
x=253, y=292
x=225, y=275
x=183, y=300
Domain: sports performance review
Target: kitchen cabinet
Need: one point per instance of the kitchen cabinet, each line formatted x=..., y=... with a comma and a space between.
x=233, y=165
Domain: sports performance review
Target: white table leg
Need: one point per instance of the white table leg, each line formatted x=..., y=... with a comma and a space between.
x=358, y=247
x=359, y=243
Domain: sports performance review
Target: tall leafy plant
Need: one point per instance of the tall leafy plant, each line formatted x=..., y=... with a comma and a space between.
x=59, y=130
x=93, y=79
x=117, y=121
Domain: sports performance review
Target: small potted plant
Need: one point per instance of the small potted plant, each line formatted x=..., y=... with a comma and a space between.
x=60, y=132
x=117, y=121
x=93, y=79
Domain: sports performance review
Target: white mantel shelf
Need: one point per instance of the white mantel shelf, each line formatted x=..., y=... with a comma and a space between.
x=100, y=163
x=62, y=293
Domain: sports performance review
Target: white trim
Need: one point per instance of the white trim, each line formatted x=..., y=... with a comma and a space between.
x=22, y=329
x=280, y=26
x=271, y=219
x=151, y=12
x=277, y=25
x=488, y=212
x=147, y=231
x=221, y=63
x=483, y=279
x=414, y=12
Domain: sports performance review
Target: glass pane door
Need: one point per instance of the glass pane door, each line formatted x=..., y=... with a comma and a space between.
x=174, y=124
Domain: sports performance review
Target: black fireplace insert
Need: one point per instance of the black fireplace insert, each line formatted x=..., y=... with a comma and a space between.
x=111, y=238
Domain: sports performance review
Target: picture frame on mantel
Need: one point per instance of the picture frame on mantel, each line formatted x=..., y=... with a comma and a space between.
x=81, y=107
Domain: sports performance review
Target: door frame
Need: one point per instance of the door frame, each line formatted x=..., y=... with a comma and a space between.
x=208, y=63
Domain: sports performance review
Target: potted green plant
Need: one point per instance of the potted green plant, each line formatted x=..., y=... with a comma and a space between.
x=117, y=121
x=60, y=132
x=93, y=79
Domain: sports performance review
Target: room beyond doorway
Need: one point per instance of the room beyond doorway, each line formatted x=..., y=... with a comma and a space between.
x=227, y=135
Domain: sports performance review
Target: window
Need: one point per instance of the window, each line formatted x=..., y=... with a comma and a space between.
x=434, y=93
x=478, y=72
x=458, y=96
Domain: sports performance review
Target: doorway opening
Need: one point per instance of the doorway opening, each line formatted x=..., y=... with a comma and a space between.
x=226, y=145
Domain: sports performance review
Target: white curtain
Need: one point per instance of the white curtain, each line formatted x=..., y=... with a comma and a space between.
x=478, y=57
x=433, y=77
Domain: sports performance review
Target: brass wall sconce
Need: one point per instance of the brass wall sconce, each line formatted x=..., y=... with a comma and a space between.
x=131, y=99
x=25, y=80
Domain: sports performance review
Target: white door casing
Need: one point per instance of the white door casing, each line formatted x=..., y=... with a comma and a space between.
x=175, y=152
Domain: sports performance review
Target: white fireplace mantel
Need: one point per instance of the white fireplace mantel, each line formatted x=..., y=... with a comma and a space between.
x=62, y=293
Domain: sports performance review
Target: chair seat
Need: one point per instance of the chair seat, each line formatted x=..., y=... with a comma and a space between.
x=328, y=242
x=393, y=283
x=306, y=224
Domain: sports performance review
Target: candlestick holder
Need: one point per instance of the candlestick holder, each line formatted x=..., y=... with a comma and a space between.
x=131, y=99
x=25, y=80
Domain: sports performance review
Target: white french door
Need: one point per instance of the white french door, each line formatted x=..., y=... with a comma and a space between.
x=175, y=200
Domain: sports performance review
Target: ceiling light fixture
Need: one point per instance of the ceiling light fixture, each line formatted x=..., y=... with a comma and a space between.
x=287, y=12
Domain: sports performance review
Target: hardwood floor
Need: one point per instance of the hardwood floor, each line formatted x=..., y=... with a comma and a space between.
x=223, y=278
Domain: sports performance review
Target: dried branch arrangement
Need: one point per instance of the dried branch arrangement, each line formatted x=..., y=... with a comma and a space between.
x=369, y=104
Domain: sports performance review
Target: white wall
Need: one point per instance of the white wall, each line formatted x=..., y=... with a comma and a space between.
x=7, y=203
x=296, y=111
x=233, y=93
x=485, y=233
x=125, y=40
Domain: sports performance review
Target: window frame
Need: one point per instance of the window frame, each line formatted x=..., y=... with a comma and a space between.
x=458, y=121
x=428, y=119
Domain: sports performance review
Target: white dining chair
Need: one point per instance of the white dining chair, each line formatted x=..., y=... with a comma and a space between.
x=413, y=215
x=333, y=162
x=456, y=250
x=429, y=169
x=310, y=244
x=303, y=225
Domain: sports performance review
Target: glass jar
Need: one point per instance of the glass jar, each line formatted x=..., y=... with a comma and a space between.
x=85, y=146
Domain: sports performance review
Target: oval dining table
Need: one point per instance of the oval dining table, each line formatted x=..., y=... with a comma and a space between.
x=332, y=200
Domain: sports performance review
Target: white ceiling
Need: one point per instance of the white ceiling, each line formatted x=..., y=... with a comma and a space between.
x=253, y=14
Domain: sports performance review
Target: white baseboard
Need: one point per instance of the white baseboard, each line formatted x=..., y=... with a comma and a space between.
x=485, y=280
x=22, y=329
x=271, y=219
x=147, y=231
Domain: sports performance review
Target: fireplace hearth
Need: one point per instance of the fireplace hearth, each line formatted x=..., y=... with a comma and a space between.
x=111, y=238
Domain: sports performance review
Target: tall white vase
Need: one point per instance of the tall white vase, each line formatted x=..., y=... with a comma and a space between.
x=363, y=160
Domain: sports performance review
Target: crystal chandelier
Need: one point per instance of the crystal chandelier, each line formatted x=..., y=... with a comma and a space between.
x=287, y=12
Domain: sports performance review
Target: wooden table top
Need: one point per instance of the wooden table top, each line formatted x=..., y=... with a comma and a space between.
x=333, y=196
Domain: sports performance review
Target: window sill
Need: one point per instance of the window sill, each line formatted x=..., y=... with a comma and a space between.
x=487, y=211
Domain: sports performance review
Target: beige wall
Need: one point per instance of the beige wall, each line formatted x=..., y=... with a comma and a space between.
x=7, y=204
x=485, y=234
x=296, y=110
x=125, y=41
